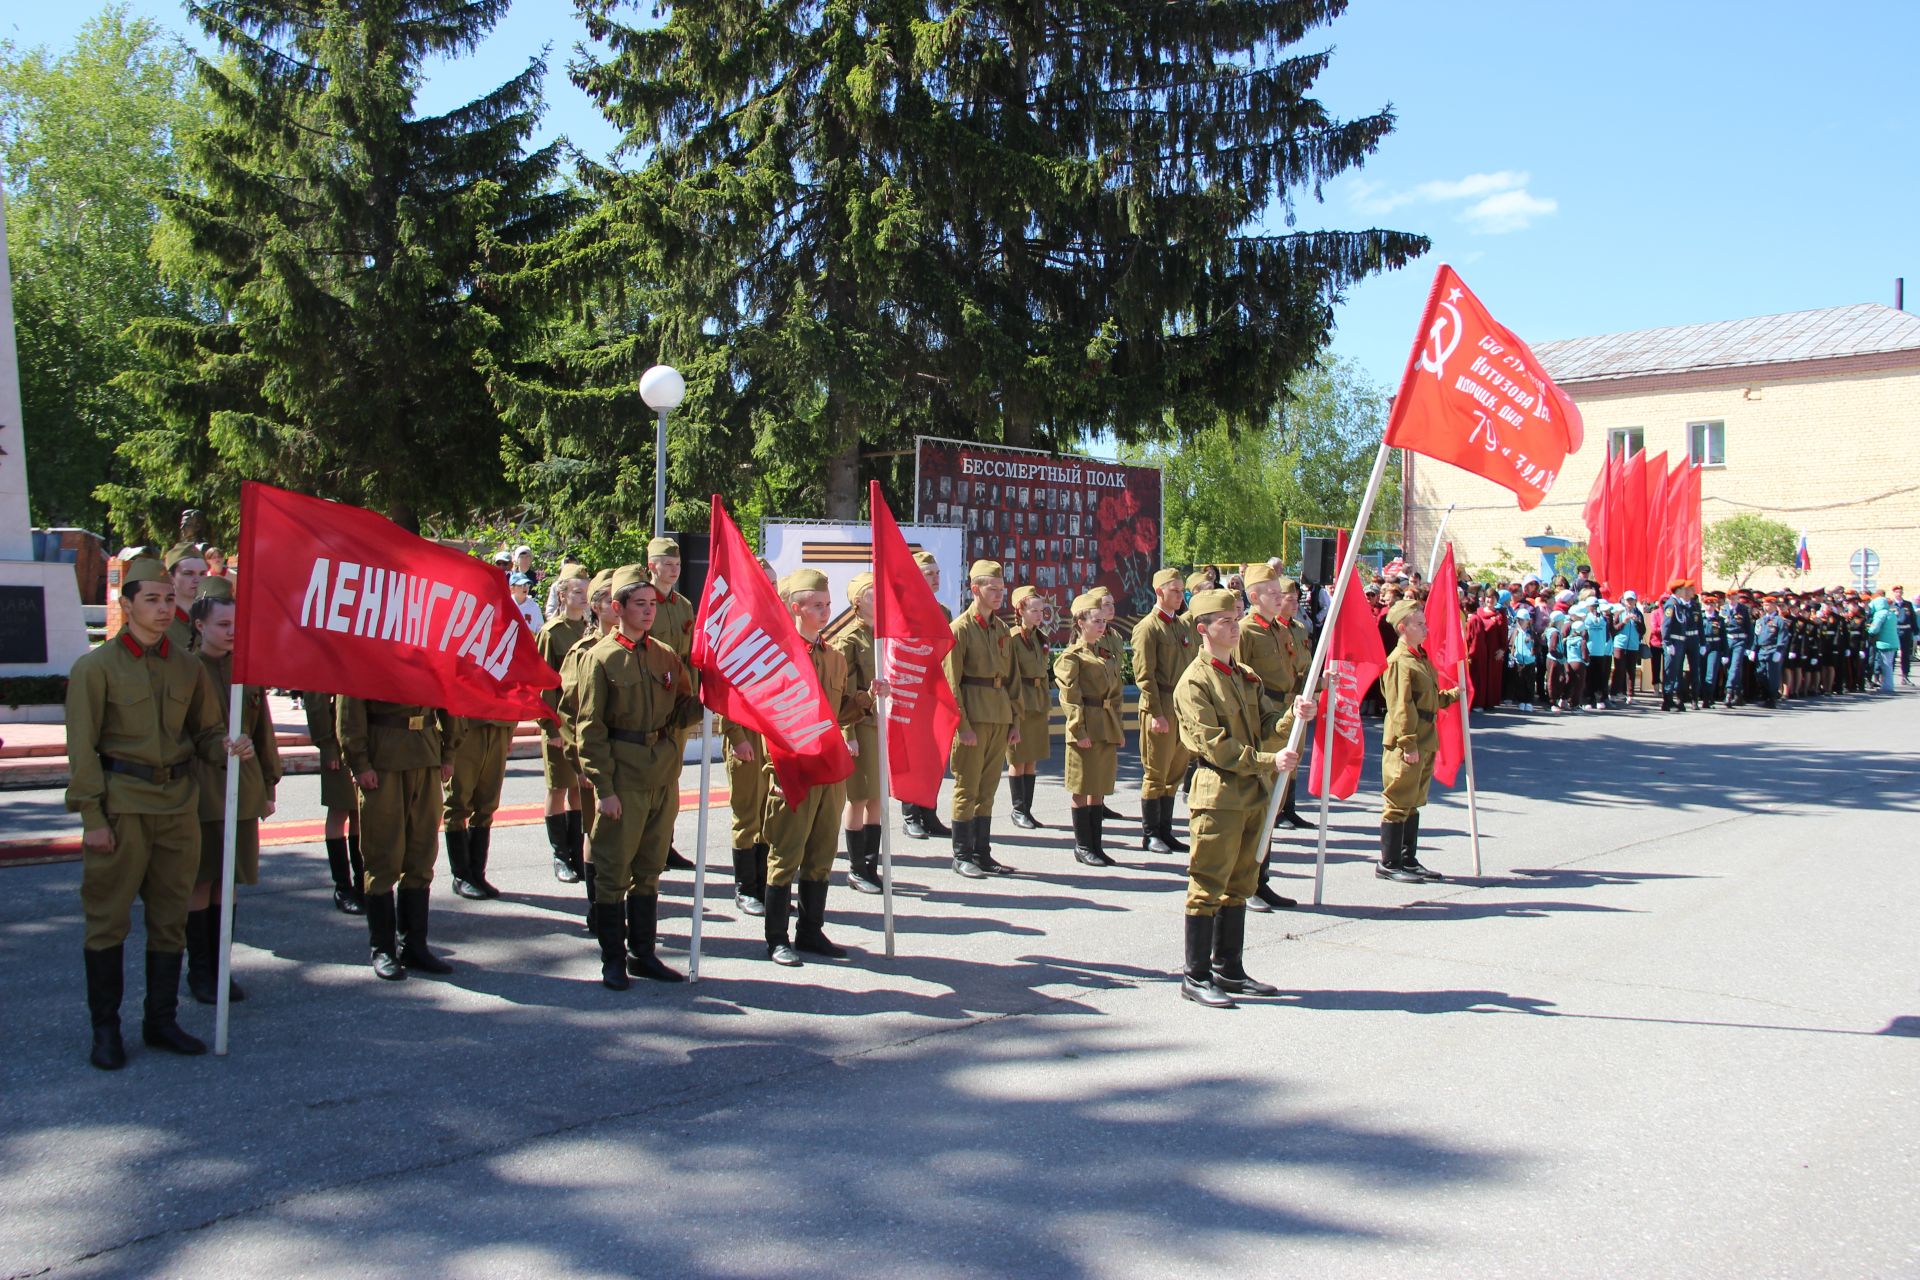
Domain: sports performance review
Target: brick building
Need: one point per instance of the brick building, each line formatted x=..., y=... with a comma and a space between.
x=1811, y=418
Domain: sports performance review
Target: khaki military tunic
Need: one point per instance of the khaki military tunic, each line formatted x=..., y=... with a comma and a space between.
x=180, y=631
x=555, y=641
x=855, y=644
x=155, y=711
x=405, y=746
x=746, y=783
x=1091, y=691
x=1032, y=697
x=1234, y=732
x=1279, y=653
x=258, y=779
x=479, y=772
x=1411, y=688
x=802, y=839
x=636, y=698
x=673, y=624
x=980, y=669
x=336, y=784
x=1163, y=648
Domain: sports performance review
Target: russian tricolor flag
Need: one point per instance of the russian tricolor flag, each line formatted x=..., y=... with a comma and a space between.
x=1802, y=558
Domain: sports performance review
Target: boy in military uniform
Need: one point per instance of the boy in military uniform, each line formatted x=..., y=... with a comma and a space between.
x=636, y=698
x=1164, y=646
x=855, y=644
x=1410, y=738
x=187, y=568
x=566, y=829
x=801, y=838
x=673, y=627
x=1274, y=647
x=400, y=755
x=920, y=821
x=1236, y=734
x=1033, y=703
x=139, y=711
x=1681, y=635
x=980, y=669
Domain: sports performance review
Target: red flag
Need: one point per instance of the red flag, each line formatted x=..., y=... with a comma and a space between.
x=1633, y=525
x=1658, y=560
x=1447, y=647
x=754, y=668
x=1355, y=659
x=369, y=610
x=1696, y=556
x=1488, y=406
x=1679, y=551
x=1598, y=515
x=922, y=715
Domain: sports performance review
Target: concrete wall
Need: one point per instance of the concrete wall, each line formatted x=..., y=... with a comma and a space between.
x=1836, y=454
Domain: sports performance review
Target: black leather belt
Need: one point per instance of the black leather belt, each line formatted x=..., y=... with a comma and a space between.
x=1427, y=715
x=1038, y=680
x=159, y=775
x=639, y=737
x=981, y=682
x=398, y=722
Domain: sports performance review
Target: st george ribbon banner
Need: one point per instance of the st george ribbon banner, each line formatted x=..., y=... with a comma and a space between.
x=371, y=611
x=921, y=713
x=755, y=670
x=1474, y=395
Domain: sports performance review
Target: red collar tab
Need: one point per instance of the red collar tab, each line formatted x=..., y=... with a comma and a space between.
x=625, y=643
x=181, y=614
x=134, y=646
x=977, y=617
x=1165, y=616
x=1221, y=667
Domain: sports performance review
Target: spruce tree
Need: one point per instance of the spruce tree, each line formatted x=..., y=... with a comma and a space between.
x=340, y=232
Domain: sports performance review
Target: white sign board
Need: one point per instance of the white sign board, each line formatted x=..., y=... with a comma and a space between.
x=842, y=550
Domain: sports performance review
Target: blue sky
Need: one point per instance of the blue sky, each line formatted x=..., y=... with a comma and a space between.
x=1587, y=167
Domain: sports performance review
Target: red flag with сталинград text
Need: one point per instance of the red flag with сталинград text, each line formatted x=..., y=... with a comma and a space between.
x=755, y=669
x=1447, y=649
x=368, y=610
x=921, y=712
x=1475, y=396
x=1355, y=660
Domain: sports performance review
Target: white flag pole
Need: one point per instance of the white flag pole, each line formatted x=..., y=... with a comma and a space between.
x=1326, y=786
x=1326, y=630
x=700, y=843
x=229, y=833
x=1466, y=743
x=883, y=649
x=1433, y=561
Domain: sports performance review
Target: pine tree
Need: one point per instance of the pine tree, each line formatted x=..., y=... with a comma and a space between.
x=340, y=232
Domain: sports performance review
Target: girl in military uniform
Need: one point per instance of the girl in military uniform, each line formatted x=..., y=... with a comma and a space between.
x=1410, y=740
x=1032, y=705
x=855, y=644
x=212, y=619
x=1090, y=694
x=338, y=798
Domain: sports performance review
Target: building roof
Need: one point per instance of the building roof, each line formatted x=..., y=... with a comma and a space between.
x=1866, y=328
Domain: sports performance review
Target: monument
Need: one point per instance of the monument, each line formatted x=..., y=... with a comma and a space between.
x=41, y=627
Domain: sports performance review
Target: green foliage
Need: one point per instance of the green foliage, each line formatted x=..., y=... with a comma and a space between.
x=339, y=229
x=88, y=139
x=32, y=691
x=1503, y=565
x=1229, y=494
x=1741, y=545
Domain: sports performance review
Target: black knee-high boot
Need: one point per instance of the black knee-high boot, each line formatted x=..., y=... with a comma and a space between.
x=558, y=849
x=811, y=936
x=1196, y=982
x=859, y=878
x=479, y=848
x=1229, y=945
x=1393, y=837
x=160, y=1022
x=457, y=848
x=778, y=899
x=875, y=872
x=106, y=984
x=346, y=893
x=359, y=868
x=643, y=931
x=1410, y=849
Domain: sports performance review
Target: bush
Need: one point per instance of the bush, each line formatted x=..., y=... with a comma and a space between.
x=32, y=691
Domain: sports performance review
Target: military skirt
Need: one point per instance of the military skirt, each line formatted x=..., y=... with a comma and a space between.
x=1035, y=744
x=864, y=782
x=246, y=851
x=337, y=790
x=1091, y=770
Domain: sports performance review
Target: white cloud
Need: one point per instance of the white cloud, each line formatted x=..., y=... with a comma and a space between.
x=1500, y=201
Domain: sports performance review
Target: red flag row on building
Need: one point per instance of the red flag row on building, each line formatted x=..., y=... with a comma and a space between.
x=1643, y=524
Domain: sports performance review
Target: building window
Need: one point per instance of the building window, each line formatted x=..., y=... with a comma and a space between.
x=1624, y=442
x=1707, y=443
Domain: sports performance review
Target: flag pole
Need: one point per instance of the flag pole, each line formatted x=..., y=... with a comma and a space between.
x=1433, y=561
x=883, y=647
x=1466, y=744
x=700, y=842
x=1326, y=631
x=1326, y=787
x=229, y=834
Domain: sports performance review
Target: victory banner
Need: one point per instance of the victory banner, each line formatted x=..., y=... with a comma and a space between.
x=1447, y=649
x=754, y=668
x=366, y=609
x=1354, y=662
x=1060, y=523
x=921, y=714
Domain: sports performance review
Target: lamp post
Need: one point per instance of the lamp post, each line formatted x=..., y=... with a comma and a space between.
x=663, y=389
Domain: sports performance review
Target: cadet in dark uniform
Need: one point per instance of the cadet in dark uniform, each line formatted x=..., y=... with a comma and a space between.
x=1680, y=635
x=187, y=568
x=400, y=755
x=1164, y=646
x=1091, y=689
x=980, y=669
x=473, y=796
x=1410, y=738
x=139, y=710
x=342, y=803
x=566, y=827
x=1713, y=644
x=212, y=617
x=1274, y=647
x=1770, y=650
x=1237, y=735
x=747, y=796
x=855, y=645
x=1739, y=618
x=1032, y=704
x=920, y=821
x=636, y=699
x=673, y=627
x=801, y=838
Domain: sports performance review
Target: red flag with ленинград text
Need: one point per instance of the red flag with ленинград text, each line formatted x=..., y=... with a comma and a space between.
x=1474, y=395
x=922, y=714
x=1447, y=650
x=339, y=600
x=756, y=671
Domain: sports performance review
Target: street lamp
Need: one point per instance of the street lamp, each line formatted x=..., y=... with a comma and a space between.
x=663, y=389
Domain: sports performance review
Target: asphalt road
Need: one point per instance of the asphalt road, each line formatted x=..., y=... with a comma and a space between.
x=1674, y=1030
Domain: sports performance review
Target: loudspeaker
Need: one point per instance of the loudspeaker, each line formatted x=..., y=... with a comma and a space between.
x=1318, y=562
